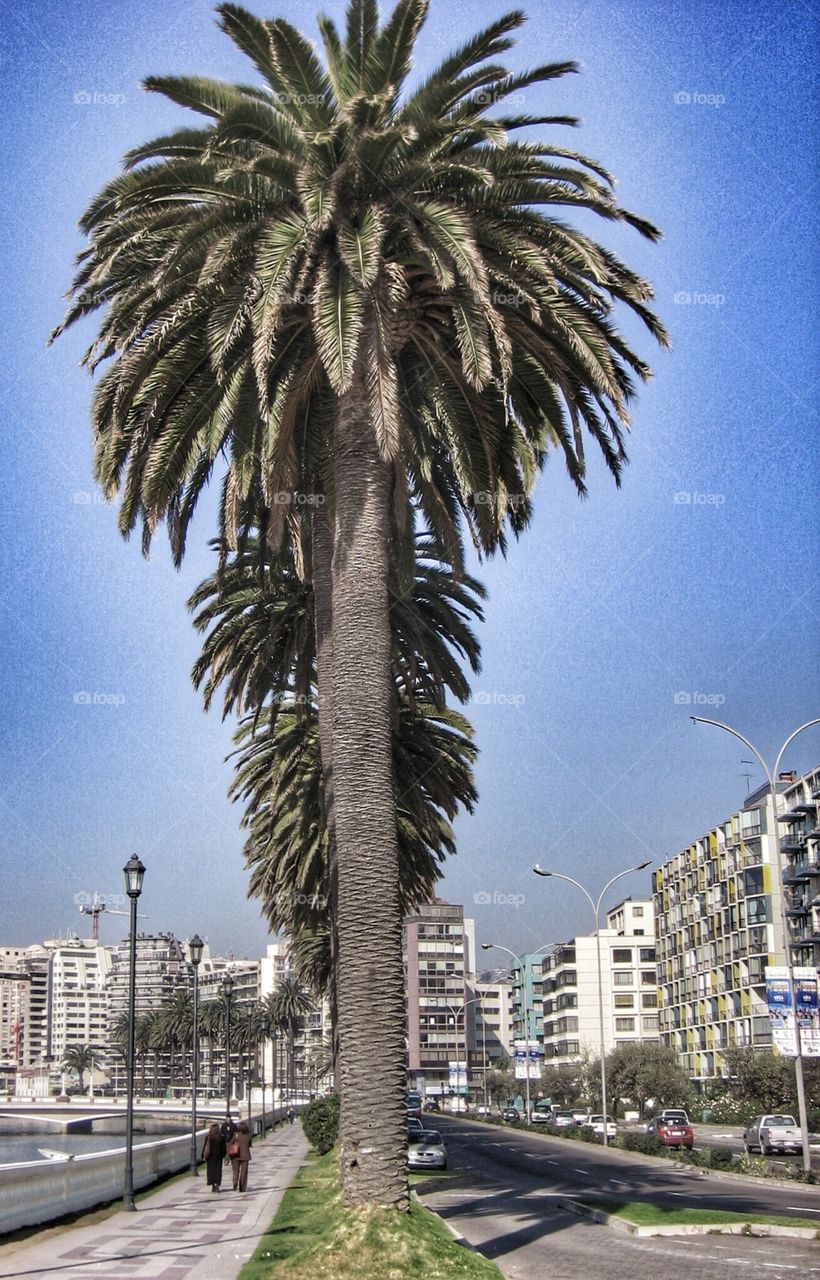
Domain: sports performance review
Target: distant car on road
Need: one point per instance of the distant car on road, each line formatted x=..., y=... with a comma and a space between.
x=596, y=1124
x=414, y=1125
x=672, y=1128
x=773, y=1133
x=412, y=1102
x=563, y=1119
x=511, y=1114
x=432, y=1105
x=427, y=1150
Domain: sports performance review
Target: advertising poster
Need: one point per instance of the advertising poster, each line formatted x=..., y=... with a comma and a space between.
x=783, y=1006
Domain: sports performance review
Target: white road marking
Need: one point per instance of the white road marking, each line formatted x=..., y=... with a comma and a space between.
x=802, y=1208
x=585, y=1172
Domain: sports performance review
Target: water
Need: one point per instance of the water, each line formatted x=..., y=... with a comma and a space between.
x=15, y=1147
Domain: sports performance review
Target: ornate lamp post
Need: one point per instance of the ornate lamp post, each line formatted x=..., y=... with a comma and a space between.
x=596, y=908
x=195, y=949
x=227, y=992
x=134, y=874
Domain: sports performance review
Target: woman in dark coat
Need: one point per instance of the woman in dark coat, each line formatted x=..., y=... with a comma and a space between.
x=242, y=1140
x=213, y=1153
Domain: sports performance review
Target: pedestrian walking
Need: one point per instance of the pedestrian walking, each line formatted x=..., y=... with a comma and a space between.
x=290, y=1113
x=239, y=1150
x=213, y=1153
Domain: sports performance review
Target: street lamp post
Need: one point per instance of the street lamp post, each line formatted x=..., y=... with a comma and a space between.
x=227, y=992
x=462, y=1008
x=771, y=777
x=497, y=946
x=596, y=908
x=134, y=874
x=195, y=949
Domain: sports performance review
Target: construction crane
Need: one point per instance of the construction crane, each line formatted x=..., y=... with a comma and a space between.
x=95, y=909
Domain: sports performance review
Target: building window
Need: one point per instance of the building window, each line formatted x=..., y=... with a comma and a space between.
x=622, y=955
x=647, y=955
x=624, y=978
x=649, y=1024
x=649, y=1000
x=648, y=978
x=637, y=911
x=623, y=1001
x=624, y=1024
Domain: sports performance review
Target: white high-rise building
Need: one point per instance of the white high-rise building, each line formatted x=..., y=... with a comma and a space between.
x=629, y=982
x=78, y=972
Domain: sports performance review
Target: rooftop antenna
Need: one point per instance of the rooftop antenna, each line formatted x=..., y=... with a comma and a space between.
x=747, y=776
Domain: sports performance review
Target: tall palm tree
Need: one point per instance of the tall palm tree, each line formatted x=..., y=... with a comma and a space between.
x=82, y=1058
x=332, y=241
x=291, y=1003
x=211, y=1022
x=176, y=1021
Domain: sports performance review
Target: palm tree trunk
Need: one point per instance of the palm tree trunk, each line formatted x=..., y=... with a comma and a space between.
x=371, y=979
x=322, y=545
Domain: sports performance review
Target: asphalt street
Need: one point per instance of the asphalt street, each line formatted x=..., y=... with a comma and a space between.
x=502, y=1188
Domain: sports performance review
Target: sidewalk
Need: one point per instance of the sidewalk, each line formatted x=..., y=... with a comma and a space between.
x=181, y=1232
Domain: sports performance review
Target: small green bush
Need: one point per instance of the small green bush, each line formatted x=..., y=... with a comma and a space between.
x=646, y=1143
x=720, y=1158
x=587, y=1135
x=320, y=1122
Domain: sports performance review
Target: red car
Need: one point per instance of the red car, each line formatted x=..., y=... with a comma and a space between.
x=673, y=1129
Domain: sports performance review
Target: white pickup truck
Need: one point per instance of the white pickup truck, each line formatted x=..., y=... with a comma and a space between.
x=773, y=1133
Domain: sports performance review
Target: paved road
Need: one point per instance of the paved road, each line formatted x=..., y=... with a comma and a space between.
x=180, y=1232
x=502, y=1196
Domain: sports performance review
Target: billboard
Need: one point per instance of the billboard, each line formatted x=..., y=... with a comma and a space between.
x=783, y=1003
x=458, y=1076
x=527, y=1059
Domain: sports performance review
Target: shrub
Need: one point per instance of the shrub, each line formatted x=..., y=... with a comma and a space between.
x=320, y=1121
x=646, y=1143
x=587, y=1135
x=720, y=1158
x=754, y=1165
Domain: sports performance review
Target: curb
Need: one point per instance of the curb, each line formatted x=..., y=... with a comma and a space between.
x=758, y=1230
x=454, y=1231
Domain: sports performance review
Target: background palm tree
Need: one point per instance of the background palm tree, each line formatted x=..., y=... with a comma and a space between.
x=81, y=1058
x=279, y=286
x=290, y=1004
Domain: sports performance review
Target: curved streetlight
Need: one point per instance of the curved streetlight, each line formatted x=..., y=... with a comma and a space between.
x=195, y=948
x=596, y=908
x=497, y=946
x=227, y=992
x=771, y=776
x=134, y=873
x=457, y=1012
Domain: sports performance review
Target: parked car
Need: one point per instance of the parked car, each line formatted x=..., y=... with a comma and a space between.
x=563, y=1119
x=672, y=1128
x=511, y=1114
x=414, y=1125
x=580, y=1115
x=773, y=1133
x=483, y=1110
x=412, y=1102
x=596, y=1124
x=427, y=1150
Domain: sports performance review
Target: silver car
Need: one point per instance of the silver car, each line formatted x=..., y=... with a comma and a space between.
x=427, y=1150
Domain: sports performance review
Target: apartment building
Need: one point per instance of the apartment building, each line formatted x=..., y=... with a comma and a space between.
x=799, y=829
x=312, y=1038
x=526, y=979
x=571, y=1016
x=490, y=1019
x=718, y=911
x=439, y=957
x=77, y=995
x=23, y=1006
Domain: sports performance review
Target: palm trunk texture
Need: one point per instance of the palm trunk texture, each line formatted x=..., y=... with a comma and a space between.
x=371, y=979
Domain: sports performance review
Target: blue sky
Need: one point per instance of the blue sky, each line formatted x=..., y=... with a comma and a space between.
x=698, y=578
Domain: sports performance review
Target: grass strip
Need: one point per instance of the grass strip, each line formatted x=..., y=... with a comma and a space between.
x=654, y=1215
x=313, y=1237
